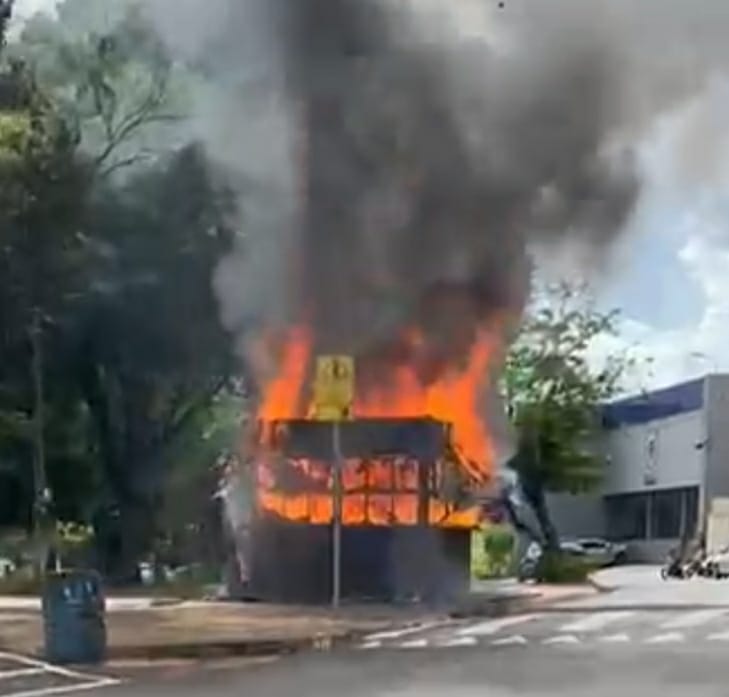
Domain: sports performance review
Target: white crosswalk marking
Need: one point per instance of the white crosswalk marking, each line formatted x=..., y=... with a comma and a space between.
x=414, y=644
x=719, y=636
x=516, y=640
x=692, y=619
x=490, y=627
x=596, y=621
x=562, y=639
x=458, y=642
x=397, y=633
x=615, y=639
x=371, y=645
x=19, y=673
x=668, y=638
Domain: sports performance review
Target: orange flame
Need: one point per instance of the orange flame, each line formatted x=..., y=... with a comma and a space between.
x=382, y=492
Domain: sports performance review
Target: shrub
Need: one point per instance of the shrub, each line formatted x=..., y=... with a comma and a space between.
x=557, y=567
x=492, y=551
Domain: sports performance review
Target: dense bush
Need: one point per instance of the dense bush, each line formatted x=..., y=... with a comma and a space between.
x=557, y=567
x=492, y=551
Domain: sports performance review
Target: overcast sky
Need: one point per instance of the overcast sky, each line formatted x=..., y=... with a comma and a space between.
x=669, y=275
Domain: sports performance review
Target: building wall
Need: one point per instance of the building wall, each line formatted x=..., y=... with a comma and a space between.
x=716, y=437
x=577, y=516
x=659, y=454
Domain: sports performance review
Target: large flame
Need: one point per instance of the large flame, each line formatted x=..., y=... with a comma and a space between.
x=384, y=491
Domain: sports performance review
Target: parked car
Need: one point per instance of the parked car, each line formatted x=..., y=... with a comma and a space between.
x=596, y=550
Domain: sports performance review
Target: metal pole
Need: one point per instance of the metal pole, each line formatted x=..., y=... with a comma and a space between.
x=336, y=514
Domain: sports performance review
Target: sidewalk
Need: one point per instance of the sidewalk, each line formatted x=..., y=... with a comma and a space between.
x=142, y=628
x=210, y=629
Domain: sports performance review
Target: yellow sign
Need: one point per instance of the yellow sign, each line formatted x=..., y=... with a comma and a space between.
x=334, y=388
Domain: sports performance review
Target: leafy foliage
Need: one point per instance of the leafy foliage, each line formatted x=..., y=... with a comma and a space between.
x=110, y=74
x=493, y=551
x=109, y=324
x=554, y=394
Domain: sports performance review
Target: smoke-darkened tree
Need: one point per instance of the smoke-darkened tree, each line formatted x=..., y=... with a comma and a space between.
x=43, y=185
x=153, y=355
x=109, y=71
x=554, y=394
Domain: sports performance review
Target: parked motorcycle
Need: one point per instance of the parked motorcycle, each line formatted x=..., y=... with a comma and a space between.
x=676, y=568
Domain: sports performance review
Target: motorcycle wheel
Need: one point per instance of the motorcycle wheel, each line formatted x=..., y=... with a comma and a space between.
x=664, y=573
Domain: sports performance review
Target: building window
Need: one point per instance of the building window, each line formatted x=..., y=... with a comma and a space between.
x=626, y=516
x=654, y=515
x=691, y=510
x=666, y=514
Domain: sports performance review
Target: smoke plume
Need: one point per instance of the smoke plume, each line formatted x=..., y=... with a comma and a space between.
x=397, y=159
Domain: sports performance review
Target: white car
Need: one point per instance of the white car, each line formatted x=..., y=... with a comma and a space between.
x=596, y=550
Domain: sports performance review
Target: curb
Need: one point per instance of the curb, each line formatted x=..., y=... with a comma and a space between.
x=600, y=587
x=491, y=607
x=224, y=649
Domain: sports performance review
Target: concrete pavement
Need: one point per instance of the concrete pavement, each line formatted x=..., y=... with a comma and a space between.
x=642, y=586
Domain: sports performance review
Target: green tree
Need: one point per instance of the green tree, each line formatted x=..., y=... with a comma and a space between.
x=6, y=8
x=153, y=356
x=109, y=71
x=554, y=393
x=43, y=185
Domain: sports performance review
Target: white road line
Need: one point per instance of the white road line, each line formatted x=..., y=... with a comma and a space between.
x=398, y=633
x=562, y=639
x=414, y=644
x=692, y=619
x=719, y=636
x=596, y=621
x=669, y=638
x=510, y=641
x=20, y=673
x=615, y=639
x=87, y=681
x=491, y=627
x=370, y=645
x=61, y=689
x=457, y=642
x=50, y=667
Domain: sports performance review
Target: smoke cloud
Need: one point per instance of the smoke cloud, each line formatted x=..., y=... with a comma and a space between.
x=397, y=159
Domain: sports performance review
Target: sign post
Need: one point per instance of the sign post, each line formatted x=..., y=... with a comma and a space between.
x=336, y=514
x=333, y=397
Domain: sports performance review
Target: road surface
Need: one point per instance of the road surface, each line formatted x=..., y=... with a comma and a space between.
x=656, y=653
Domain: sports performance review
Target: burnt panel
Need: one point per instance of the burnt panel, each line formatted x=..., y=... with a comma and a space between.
x=422, y=438
x=292, y=563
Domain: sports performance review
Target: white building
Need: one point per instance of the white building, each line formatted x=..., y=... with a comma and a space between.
x=667, y=460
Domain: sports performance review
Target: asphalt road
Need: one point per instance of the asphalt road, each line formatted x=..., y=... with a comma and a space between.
x=647, y=637
x=570, y=654
x=567, y=671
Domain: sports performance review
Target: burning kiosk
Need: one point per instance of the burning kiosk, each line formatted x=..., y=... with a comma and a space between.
x=406, y=510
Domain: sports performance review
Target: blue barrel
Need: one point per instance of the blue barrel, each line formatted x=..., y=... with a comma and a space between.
x=73, y=618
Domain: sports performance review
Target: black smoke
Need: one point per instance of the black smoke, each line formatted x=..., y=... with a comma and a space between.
x=424, y=164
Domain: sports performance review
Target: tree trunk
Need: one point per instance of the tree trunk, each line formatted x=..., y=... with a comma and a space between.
x=534, y=492
x=41, y=493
